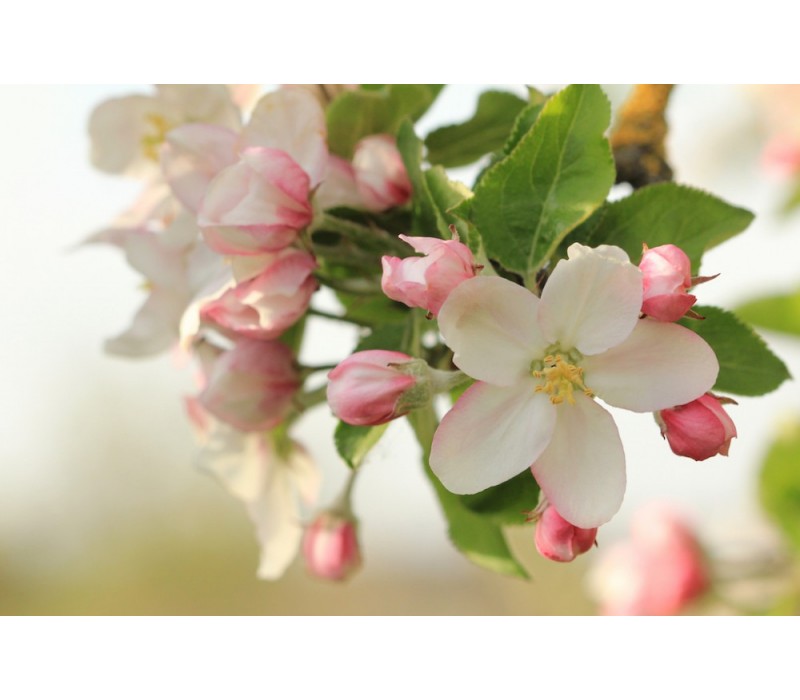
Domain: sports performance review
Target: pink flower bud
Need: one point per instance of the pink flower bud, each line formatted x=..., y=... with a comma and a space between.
x=699, y=429
x=381, y=176
x=257, y=205
x=330, y=547
x=426, y=282
x=265, y=305
x=559, y=540
x=658, y=571
x=251, y=386
x=666, y=275
x=365, y=389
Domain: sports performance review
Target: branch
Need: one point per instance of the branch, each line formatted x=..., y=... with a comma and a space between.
x=638, y=138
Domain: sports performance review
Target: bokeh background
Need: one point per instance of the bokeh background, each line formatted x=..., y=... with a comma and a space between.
x=101, y=508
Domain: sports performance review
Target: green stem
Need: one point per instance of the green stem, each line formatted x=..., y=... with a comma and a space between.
x=336, y=317
x=369, y=237
x=359, y=287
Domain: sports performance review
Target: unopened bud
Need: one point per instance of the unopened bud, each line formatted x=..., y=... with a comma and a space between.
x=699, y=429
x=559, y=540
x=330, y=547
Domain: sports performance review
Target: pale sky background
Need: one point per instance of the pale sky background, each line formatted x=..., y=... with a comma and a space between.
x=89, y=442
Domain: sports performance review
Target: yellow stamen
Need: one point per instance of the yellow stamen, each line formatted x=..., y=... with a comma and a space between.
x=560, y=380
x=152, y=142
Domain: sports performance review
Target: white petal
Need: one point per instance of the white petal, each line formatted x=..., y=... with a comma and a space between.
x=278, y=527
x=591, y=301
x=236, y=459
x=491, y=435
x=660, y=365
x=154, y=328
x=490, y=324
x=291, y=120
x=582, y=471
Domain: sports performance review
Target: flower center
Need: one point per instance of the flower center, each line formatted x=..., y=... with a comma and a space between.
x=151, y=142
x=561, y=378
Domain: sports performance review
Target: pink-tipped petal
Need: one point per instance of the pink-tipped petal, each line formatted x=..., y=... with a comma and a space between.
x=291, y=120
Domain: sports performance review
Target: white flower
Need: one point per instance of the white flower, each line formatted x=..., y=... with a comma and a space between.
x=272, y=483
x=541, y=362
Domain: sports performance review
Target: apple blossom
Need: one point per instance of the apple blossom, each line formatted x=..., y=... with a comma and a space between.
x=373, y=387
x=127, y=132
x=265, y=304
x=658, y=571
x=330, y=547
x=699, y=429
x=380, y=174
x=559, y=540
x=272, y=477
x=257, y=205
x=426, y=282
x=251, y=386
x=175, y=268
x=541, y=362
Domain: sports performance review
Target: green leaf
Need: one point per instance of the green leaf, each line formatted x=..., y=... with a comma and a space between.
x=353, y=442
x=780, y=312
x=746, y=365
x=524, y=121
x=780, y=482
x=373, y=310
x=556, y=176
x=476, y=536
x=434, y=193
x=665, y=213
x=378, y=110
x=486, y=131
x=508, y=503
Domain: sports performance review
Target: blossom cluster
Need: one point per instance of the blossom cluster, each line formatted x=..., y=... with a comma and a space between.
x=251, y=204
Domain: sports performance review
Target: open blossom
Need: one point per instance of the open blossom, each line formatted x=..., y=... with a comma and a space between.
x=127, y=132
x=666, y=277
x=658, y=571
x=699, y=429
x=541, y=362
x=268, y=300
x=559, y=540
x=368, y=389
x=273, y=481
x=175, y=267
x=330, y=547
x=425, y=282
x=380, y=174
x=251, y=386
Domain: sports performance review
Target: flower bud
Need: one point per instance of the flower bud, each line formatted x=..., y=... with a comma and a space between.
x=375, y=386
x=256, y=205
x=666, y=275
x=699, y=429
x=426, y=282
x=559, y=540
x=330, y=547
x=659, y=571
x=251, y=387
x=266, y=304
x=381, y=176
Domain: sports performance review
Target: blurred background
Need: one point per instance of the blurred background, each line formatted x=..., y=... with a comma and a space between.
x=101, y=508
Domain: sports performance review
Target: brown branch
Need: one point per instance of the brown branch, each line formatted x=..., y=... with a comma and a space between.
x=638, y=137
